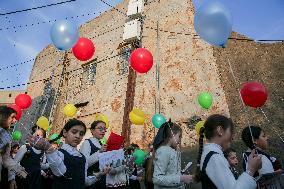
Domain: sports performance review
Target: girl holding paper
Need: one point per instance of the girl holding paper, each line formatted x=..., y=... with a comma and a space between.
x=91, y=149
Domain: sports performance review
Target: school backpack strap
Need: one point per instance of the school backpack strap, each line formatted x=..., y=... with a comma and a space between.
x=206, y=160
x=206, y=181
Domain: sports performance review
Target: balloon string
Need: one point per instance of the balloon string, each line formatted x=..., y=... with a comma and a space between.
x=272, y=126
x=239, y=94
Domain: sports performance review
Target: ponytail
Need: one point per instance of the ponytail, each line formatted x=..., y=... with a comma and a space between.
x=197, y=171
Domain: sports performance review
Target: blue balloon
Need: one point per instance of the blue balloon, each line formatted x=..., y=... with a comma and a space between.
x=213, y=22
x=158, y=120
x=64, y=35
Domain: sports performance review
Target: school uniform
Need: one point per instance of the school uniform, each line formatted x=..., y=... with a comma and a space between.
x=5, y=158
x=167, y=169
x=30, y=159
x=70, y=168
x=269, y=163
x=216, y=174
x=133, y=182
x=90, y=149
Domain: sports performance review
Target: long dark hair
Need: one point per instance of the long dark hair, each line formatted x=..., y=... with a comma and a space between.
x=71, y=123
x=166, y=131
x=5, y=112
x=249, y=134
x=208, y=131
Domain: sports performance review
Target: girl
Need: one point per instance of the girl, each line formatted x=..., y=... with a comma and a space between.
x=212, y=167
x=259, y=141
x=91, y=149
x=133, y=171
x=167, y=162
x=30, y=159
x=67, y=164
x=7, y=119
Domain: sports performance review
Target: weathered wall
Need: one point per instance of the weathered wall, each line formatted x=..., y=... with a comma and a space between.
x=188, y=66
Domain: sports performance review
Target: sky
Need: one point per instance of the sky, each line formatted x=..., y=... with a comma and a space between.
x=19, y=44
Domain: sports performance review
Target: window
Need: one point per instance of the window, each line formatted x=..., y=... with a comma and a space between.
x=89, y=73
x=10, y=95
x=123, y=65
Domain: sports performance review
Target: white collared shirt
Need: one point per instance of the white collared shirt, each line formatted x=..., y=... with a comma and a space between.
x=86, y=150
x=219, y=172
x=56, y=163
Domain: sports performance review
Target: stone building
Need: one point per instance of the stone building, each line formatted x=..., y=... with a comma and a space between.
x=187, y=66
x=8, y=97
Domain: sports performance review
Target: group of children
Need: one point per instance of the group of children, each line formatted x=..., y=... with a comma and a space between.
x=43, y=164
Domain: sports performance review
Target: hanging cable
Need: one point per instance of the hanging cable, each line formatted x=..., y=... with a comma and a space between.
x=34, y=8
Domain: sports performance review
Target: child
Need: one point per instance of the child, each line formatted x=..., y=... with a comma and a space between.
x=212, y=167
x=259, y=141
x=7, y=119
x=147, y=165
x=231, y=156
x=134, y=174
x=30, y=159
x=67, y=164
x=167, y=160
x=91, y=149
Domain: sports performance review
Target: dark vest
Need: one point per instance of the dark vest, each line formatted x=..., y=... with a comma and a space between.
x=95, y=167
x=101, y=184
x=74, y=177
x=31, y=163
x=205, y=180
x=275, y=163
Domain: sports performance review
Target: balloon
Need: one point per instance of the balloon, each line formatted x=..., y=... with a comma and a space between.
x=16, y=135
x=64, y=35
x=213, y=22
x=24, y=101
x=18, y=110
x=70, y=110
x=43, y=123
x=205, y=100
x=254, y=94
x=54, y=136
x=141, y=60
x=84, y=49
x=102, y=117
x=137, y=116
x=139, y=157
x=198, y=126
x=158, y=120
x=103, y=141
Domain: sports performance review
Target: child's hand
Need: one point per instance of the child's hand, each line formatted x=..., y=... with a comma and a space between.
x=13, y=184
x=107, y=169
x=254, y=163
x=186, y=179
x=103, y=148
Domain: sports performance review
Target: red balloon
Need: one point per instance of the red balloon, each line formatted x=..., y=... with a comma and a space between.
x=24, y=101
x=254, y=94
x=17, y=109
x=141, y=60
x=84, y=49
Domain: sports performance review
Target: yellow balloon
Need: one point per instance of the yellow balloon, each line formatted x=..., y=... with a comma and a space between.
x=198, y=126
x=104, y=118
x=70, y=110
x=137, y=116
x=43, y=123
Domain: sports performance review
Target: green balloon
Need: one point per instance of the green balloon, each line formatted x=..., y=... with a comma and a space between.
x=48, y=130
x=139, y=157
x=103, y=141
x=16, y=135
x=205, y=100
x=54, y=136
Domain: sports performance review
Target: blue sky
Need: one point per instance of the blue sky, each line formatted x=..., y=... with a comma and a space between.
x=257, y=19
